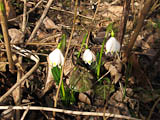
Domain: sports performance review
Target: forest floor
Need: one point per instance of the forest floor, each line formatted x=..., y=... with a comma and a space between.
x=126, y=90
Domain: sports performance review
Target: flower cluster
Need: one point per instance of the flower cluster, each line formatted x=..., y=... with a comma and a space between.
x=56, y=57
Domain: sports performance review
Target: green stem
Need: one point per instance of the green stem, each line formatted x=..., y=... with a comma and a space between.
x=62, y=88
x=109, y=28
x=84, y=39
x=100, y=57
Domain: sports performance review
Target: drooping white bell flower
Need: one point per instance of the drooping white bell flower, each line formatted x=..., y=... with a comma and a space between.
x=88, y=56
x=56, y=58
x=112, y=45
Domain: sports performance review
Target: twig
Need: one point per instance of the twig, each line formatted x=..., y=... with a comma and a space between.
x=25, y=53
x=3, y=18
x=114, y=2
x=24, y=17
x=14, y=19
x=105, y=74
x=17, y=92
x=153, y=107
x=40, y=20
x=25, y=113
x=38, y=44
x=74, y=20
x=69, y=111
x=93, y=21
x=55, y=8
x=62, y=10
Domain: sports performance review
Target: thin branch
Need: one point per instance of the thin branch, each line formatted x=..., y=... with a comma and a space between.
x=40, y=20
x=3, y=20
x=14, y=19
x=25, y=113
x=24, y=17
x=43, y=44
x=140, y=21
x=18, y=91
x=68, y=111
x=122, y=27
x=25, y=53
x=99, y=1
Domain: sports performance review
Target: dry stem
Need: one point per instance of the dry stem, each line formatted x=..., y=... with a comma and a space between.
x=68, y=111
x=33, y=57
x=14, y=19
x=40, y=20
x=5, y=35
x=75, y=15
x=145, y=10
x=122, y=27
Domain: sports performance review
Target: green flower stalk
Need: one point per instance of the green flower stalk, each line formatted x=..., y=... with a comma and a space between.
x=56, y=60
x=83, y=43
x=109, y=28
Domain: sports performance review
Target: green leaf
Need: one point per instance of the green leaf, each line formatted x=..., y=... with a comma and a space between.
x=56, y=72
x=104, y=90
x=1, y=36
x=67, y=96
x=2, y=6
x=81, y=80
x=63, y=43
x=83, y=42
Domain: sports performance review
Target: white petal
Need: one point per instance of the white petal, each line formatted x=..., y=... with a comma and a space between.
x=88, y=56
x=112, y=45
x=56, y=58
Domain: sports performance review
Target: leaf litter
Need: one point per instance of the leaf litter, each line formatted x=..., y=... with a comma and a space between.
x=126, y=97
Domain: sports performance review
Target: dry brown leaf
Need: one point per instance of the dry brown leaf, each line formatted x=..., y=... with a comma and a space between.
x=49, y=75
x=115, y=69
x=84, y=98
x=112, y=12
x=117, y=106
x=49, y=24
x=3, y=66
x=68, y=67
x=3, y=62
x=41, y=34
x=16, y=36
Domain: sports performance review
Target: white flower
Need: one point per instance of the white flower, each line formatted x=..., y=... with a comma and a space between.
x=112, y=45
x=56, y=58
x=88, y=56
